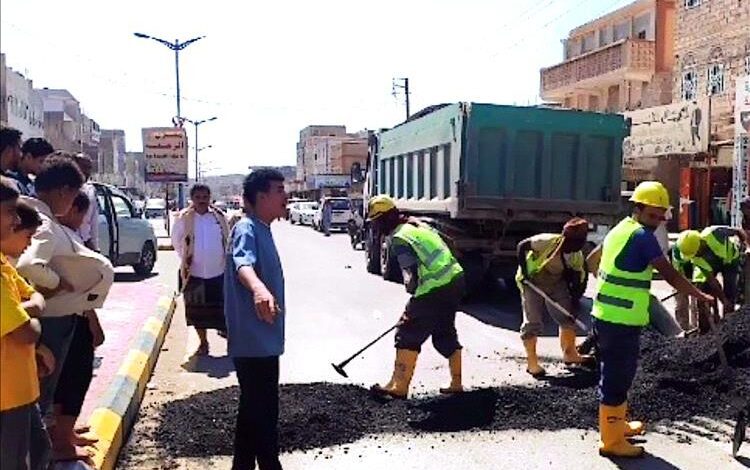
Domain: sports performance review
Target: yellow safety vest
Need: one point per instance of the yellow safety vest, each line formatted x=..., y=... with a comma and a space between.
x=622, y=297
x=536, y=263
x=713, y=254
x=437, y=266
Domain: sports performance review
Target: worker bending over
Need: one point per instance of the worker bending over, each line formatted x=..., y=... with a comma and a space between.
x=630, y=253
x=554, y=263
x=436, y=282
x=715, y=250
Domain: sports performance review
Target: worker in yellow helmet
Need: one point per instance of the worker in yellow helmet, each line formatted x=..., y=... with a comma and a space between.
x=436, y=282
x=715, y=250
x=629, y=255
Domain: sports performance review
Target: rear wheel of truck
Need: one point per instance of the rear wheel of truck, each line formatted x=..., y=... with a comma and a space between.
x=372, y=253
x=388, y=263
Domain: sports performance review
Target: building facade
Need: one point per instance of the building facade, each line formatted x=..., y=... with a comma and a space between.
x=327, y=150
x=21, y=106
x=62, y=119
x=621, y=61
x=112, y=161
x=712, y=50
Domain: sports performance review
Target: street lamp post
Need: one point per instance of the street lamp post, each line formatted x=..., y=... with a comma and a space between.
x=196, y=124
x=176, y=46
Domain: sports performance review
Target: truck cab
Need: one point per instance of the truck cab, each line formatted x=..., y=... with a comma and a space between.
x=124, y=237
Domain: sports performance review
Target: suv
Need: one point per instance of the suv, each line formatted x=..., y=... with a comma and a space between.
x=124, y=238
x=341, y=212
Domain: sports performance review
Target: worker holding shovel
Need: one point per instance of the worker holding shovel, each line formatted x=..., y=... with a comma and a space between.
x=553, y=264
x=715, y=250
x=629, y=255
x=436, y=281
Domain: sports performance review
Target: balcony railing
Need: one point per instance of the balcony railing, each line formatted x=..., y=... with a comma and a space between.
x=624, y=55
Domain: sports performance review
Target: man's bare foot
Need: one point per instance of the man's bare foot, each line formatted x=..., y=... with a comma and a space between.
x=72, y=452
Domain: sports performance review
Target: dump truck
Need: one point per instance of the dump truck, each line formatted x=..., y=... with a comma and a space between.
x=487, y=176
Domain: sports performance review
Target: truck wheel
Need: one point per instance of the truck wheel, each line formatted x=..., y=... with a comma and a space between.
x=148, y=260
x=372, y=253
x=389, y=264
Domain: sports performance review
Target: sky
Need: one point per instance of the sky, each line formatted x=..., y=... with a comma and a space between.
x=268, y=69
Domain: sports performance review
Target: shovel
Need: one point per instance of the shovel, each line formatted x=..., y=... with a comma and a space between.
x=717, y=337
x=739, y=432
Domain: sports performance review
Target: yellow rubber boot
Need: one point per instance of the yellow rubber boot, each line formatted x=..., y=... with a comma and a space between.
x=454, y=364
x=403, y=370
x=532, y=361
x=568, y=346
x=633, y=428
x=612, y=426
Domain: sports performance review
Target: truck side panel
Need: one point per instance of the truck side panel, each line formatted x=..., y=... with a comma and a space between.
x=419, y=162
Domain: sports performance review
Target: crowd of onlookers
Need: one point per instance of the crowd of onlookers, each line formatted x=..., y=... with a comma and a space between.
x=53, y=279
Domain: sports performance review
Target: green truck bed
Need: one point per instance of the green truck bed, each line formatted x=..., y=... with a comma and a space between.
x=485, y=161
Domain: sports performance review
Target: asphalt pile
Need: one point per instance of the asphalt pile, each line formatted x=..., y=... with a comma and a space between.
x=679, y=380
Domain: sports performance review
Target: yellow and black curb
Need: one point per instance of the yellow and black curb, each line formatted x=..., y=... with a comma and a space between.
x=117, y=409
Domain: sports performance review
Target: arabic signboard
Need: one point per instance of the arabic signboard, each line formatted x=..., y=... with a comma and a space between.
x=740, y=176
x=673, y=129
x=742, y=106
x=331, y=181
x=165, y=153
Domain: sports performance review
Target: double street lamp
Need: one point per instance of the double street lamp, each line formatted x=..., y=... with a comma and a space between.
x=175, y=46
x=196, y=124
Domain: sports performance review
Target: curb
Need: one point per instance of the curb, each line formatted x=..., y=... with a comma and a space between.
x=117, y=410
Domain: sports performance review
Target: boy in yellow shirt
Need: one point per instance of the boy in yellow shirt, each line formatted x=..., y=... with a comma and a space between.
x=21, y=425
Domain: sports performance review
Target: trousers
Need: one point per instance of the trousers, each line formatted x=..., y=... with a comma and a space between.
x=256, y=437
x=619, y=347
x=432, y=315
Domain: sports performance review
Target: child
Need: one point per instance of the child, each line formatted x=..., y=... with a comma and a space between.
x=24, y=443
x=78, y=368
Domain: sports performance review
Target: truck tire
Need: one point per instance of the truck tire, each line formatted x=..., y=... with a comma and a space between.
x=372, y=253
x=388, y=263
x=147, y=261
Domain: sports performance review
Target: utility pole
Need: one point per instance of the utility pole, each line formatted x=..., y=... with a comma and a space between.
x=196, y=124
x=402, y=83
x=176, y=46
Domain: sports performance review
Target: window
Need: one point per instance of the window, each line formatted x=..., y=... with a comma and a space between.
x=747, y=64
x=692, y=3
x=689, y=85
x=122, y=208
x=715, y=79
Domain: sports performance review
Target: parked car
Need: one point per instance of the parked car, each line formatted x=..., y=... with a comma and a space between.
x=290, y=203
x=124, y=238
x=340, y=213
x=303, y=212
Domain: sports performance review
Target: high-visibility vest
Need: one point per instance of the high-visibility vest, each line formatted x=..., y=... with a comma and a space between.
x=622, y=297
x=437, y=265
x=715, y=253
x=680, y=263
x=535, y=263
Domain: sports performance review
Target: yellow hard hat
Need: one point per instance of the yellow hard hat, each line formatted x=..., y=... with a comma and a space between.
x=689, y=242
x=379, y=205
x=651, y=193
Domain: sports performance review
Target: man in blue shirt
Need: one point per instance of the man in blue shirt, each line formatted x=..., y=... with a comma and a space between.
x=254, y=311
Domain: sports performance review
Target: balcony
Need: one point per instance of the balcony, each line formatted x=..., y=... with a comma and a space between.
x=627, y=59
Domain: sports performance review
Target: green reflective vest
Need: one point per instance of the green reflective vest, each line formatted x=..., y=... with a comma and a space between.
x=715, y=253
x=535, y=262
x=622, y=297
x=680, y=263
x=437, y=266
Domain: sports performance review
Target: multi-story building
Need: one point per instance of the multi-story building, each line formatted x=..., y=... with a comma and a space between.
x=135, y=171
x=712, y=50
x=112, y=167
x=327, y=150
x=621, y=61
x=90, y=137
x=21, y=106
x=62, y=119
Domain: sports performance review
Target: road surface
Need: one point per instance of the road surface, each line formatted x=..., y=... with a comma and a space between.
x=333, y=308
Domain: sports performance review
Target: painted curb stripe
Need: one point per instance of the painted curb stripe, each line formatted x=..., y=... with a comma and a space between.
x=118, y=407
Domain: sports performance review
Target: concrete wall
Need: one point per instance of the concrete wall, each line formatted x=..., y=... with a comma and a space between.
x=22, y=106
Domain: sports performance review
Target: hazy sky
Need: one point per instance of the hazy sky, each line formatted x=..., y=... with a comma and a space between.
x=268, y=69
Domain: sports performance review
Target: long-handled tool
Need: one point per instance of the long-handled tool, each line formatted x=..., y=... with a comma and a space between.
x=717, y=338
x=340, y=366
x=559, y=307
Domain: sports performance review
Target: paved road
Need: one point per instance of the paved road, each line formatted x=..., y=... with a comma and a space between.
x=333, y=308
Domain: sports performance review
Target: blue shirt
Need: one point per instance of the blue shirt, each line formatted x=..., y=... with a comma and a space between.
x=639, y=252
x=248, y=336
